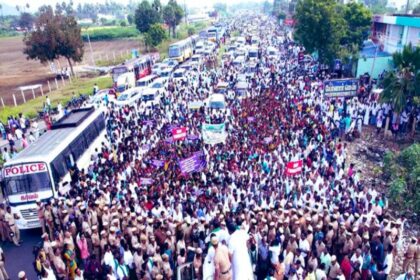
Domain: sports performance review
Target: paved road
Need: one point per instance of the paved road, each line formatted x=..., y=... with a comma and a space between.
x=21, y=258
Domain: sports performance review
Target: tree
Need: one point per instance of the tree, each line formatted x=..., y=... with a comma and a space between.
x=400, y=88
x=402, y=85
x=26, y=21
x=172, y=14
x=416, y=10
x=145, y=16
x=55, y=35
x=358, y=20
x=158, y=7
x=155, y=35
x=408, y=58
x=130, y=19
x=319, y=28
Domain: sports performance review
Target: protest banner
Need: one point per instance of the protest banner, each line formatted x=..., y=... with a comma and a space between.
x=146, y=181
x=214, y=133
x=195, y=163
x=179, y=133
x=294, y=167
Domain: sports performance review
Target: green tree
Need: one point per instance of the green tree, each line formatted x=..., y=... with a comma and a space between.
x=319, y=28
x=145, y=16
x=55, y=35
x=408, y=58
x=158, y=7
x=155, y=35
x=400, y=88
x=172, y=15
x=26, y=21
x=402, y=85
x=130, y=19
x=416, y=10
x=358, y=20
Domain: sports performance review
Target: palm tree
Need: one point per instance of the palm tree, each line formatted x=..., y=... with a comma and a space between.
x=400, y=88
x=408, y=58
x=403, y=85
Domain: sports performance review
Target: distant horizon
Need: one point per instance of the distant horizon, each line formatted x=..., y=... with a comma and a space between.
x=35, y=4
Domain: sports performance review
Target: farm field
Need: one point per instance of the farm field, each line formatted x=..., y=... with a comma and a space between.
x=16, y=70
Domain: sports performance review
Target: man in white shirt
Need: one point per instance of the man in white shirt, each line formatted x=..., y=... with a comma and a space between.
x=388, y=262
x=108, y=257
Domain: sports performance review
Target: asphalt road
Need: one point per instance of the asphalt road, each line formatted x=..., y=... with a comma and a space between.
x=22, y=258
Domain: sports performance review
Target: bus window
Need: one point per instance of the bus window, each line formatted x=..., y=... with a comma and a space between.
x=20, y=185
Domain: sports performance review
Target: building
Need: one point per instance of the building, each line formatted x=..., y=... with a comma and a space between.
x=372, y=60
x=393, y=32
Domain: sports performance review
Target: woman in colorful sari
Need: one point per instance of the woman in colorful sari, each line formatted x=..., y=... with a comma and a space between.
x=70, y=256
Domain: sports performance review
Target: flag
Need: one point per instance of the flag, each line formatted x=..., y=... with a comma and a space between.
x=294, y=167
x=179, y=133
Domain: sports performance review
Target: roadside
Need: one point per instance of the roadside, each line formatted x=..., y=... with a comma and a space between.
x=77, y=86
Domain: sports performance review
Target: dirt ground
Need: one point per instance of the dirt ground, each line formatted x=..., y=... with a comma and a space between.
x=16, y=70
x=367, y=154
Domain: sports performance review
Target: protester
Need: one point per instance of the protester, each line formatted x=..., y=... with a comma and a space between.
x=259, y=188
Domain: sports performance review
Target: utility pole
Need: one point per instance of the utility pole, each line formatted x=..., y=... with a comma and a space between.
x=406, y=6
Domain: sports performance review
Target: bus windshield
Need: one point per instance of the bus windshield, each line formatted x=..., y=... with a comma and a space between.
x=23, y=188
x=174, y=51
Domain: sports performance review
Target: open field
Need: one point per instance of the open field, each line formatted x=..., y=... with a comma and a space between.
x=63, y=95
x=16, y=70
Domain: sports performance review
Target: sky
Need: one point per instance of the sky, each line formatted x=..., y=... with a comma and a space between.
x=36, y=3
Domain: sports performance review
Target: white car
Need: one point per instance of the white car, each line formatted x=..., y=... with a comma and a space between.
x=129, y=97
x=157, y=68
x=158, y=85
x=170, y=62
x=179, y=74
x=166, y=73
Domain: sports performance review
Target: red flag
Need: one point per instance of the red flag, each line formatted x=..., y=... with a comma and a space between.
x=294, y=167
x=179, y=133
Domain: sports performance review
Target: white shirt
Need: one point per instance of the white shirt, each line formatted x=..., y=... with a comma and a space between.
x=109, y=259
x=388, y=263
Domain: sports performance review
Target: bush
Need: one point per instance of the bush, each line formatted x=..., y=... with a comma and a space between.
x=110, y=33
x=402, y=173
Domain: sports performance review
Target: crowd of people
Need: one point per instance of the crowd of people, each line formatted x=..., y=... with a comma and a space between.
x=278, y=199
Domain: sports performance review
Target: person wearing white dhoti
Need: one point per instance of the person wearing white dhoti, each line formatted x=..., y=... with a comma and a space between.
x=241, y=262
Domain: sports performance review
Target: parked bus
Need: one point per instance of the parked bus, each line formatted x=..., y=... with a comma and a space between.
x=181, y=50
x=36, y=172
x=141, y=67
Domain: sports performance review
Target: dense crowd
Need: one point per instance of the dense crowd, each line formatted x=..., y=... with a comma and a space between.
x=133, y=214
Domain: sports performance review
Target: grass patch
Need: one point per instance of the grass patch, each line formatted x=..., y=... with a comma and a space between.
x=109, y=33
x=63, y=95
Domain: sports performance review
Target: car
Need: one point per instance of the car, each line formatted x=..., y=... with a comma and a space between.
x=179, y=74
x=146, y=81
x=198, y=58
x=170, y=62
x=157, y=68
x=151, y=97
x=129, y=97
x=188, y=66
x=159, y=84
x=166, y=73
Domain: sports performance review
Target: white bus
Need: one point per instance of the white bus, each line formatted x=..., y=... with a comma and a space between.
x=36, y=172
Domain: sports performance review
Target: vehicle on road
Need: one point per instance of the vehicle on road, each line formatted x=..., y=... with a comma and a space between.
x=129, y=96
x=39, y=172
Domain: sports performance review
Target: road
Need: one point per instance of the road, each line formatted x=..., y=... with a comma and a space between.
x=21, y=258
